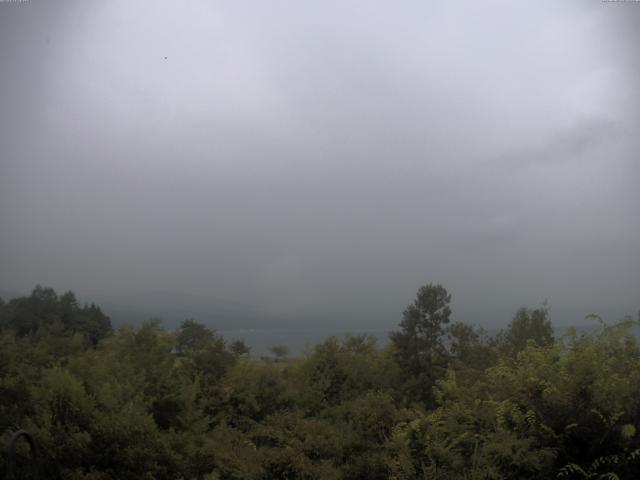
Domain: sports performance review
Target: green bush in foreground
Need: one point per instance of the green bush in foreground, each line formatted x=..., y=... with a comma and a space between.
x=441, y=401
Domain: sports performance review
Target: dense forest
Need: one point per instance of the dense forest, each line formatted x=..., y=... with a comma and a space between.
x=442, y=400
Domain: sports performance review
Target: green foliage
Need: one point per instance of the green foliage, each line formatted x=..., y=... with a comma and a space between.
x=194, y=337
x=528, y=325
x=280, y=351
x=240, y=348
x=44, y=313
x=419, y=346
x=150, y=403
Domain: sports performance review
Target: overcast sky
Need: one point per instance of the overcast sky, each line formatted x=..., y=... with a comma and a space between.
x=323, y=156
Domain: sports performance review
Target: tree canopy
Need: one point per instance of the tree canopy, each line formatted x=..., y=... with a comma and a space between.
x=442, y=401
x=419, y=347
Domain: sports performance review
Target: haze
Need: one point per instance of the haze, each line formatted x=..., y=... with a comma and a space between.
x=322, y=160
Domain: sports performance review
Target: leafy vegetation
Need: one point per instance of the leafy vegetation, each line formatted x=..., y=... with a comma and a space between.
x=441, y=401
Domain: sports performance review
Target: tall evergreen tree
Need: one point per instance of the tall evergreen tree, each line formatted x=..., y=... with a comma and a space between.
x=418, y=345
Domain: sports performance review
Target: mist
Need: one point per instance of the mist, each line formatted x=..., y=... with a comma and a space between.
x=320, y=162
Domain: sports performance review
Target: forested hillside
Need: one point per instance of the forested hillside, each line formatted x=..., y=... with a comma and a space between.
x=442, y=401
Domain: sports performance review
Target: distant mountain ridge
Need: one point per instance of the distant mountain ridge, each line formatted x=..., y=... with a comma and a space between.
x=174, y=307
x=7, y=295
x=170, y=307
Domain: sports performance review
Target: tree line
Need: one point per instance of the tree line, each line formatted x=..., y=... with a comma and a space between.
x=442, y=400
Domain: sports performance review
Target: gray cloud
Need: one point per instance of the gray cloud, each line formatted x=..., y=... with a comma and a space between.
x=323, y=160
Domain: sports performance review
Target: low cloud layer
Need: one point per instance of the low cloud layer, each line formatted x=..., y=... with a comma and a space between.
x=323, y=160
